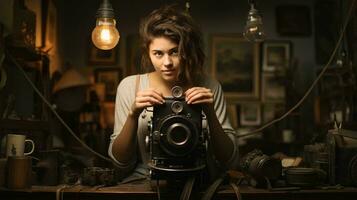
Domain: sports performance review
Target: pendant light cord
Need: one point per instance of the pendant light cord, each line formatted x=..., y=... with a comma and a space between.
x=341, y=37
x=51, y=107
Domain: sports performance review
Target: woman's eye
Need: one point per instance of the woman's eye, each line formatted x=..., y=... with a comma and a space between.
x=157, y=54
x=174, y=52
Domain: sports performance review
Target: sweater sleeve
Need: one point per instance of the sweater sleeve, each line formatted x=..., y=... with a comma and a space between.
x=221, y=113
x=124, y=98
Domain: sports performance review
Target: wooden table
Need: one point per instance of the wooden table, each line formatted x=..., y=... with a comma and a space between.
x=143, y=190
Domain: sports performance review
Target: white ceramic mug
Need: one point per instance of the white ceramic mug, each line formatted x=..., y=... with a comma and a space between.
x=15, y=145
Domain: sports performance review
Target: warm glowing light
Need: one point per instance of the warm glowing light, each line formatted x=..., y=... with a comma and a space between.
x=105, y=36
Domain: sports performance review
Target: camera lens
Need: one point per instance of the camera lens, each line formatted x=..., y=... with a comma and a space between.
x=178, y=134
x=177, y=91
x=176, y=107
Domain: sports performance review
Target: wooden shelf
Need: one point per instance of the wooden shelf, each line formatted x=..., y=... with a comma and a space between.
x=11, y=124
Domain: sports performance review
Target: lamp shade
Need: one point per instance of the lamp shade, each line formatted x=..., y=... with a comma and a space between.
x=69, y=93
x=71, y=78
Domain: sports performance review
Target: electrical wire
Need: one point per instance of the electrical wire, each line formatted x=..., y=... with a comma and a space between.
x=259, y=130
x=53, y=109
x=256, y=131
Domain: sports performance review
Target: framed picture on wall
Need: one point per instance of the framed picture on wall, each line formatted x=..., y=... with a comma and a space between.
x=276, y=56
x=102, y=57
x=250, y=114
x=273, y=88
x=111, y=78
x=235, y=64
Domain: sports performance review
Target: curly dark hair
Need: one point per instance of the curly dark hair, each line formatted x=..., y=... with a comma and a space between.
x=177, y=25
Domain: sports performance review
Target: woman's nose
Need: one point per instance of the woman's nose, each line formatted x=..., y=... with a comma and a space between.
x=167, y=60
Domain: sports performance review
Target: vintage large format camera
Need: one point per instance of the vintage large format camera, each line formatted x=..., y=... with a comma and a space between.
x=337, y=156
x=177, y=141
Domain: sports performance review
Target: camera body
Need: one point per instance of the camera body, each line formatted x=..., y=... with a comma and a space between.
x=176, y=141
x=337, y=157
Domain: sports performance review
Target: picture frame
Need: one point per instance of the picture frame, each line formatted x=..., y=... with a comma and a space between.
x=111, y=77
x=102, y=57
x=273, y=88
x=250, y=114
x=293, y=20
x=276, y=56
x=235, y=64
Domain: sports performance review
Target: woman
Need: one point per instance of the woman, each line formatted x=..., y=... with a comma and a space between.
x=172, y=55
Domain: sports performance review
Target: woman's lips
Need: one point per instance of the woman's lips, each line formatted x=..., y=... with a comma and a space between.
x=168, y=72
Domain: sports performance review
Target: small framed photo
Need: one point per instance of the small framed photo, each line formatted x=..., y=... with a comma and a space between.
x=111, y=78
x=102, y=57
x=273, y=88
x=250, y=114
x=276, y=56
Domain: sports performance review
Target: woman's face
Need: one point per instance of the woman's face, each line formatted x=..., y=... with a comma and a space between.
x=164, y=57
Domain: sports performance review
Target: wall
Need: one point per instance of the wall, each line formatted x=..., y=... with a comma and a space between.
x=77, y=19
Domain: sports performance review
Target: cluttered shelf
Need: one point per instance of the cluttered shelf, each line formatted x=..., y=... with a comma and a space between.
x=24, y=124
x=143, y=190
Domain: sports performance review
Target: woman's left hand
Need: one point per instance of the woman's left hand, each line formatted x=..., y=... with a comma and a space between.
x=199, y=95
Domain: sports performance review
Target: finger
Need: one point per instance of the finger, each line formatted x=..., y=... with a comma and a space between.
x=151, y=99
x=153, y=93
x=140, y=104
x=193, y=91
x=200, y=96
x=202, y=101
x=189, y=91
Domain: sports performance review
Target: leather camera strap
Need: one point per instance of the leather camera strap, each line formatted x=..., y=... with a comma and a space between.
x=211, y=190
x=187, y=189
x=236, y=190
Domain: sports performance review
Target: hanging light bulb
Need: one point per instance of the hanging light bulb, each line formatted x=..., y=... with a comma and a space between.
x=253, y=30
x=105, y=36
x=187, y=6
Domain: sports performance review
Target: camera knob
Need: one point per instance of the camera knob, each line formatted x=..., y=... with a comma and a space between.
x=176, y=107
x=177, y=91
x=156, y=136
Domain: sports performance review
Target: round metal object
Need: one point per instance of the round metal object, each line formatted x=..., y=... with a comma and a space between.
x=177, y=107
x=178, y=134
x=177, y=91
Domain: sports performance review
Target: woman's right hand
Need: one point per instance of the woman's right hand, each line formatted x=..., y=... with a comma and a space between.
x=146, y=98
